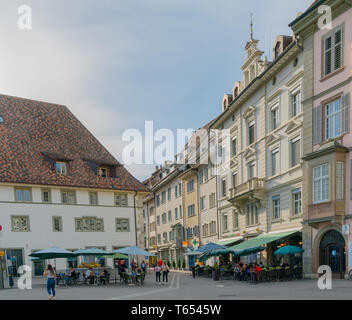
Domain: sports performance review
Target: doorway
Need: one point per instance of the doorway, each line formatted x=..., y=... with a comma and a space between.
x=332, y=253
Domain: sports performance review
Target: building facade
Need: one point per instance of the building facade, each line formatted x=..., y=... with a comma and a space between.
x=327, y=128
x=260, y=171
x=60, y=187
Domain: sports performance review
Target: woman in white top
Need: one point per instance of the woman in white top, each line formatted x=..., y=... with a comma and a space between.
x=50, y=285
x=165, y=269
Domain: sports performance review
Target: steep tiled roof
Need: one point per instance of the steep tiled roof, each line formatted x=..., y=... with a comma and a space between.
x=35, y=134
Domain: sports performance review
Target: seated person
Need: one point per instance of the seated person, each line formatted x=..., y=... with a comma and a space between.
x=284, y=265
x=90, y=275
x=103, y=275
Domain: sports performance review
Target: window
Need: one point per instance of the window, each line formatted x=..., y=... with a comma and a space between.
x=195, y=231
x=333, y=119
x=234, y=147
x=179, y=188
x=223, y=187
x=340, y=181
x=189, y=233
x=297, y=202
x=169, y=194
x=295, y=151
x=163, y=197
x=251, y=215
x=202, y=203
x=57, y=224
x=251, y=128
x=225, y=223
x=89, y=224
x=68, y=197
x=321, y=183
x=121, y=199
x=333, y=48
x=103, y=172
x=212, y=227
x=176, y=192
x=190, y=185
x=159, y=238
x=296, y=103
x=163, y=218
x=122, y=225
x=176, y=214
x=20, y=223
x=206, y=174
x=93, y=198
x=171, y=235
x=180, y=211
x=200, y=176
x=165, y=237
x=46, y=196
x=61, y=168
x=275, y=118
x=251, y=167
x=212, y=200
x=158, y=200
x=158, y=220
x=23, y=195
x=276, y=207
x=205, y=230
x=235, y=220
x=274, y=161
x=234, y=179
x=191, y=210
x=169, y=216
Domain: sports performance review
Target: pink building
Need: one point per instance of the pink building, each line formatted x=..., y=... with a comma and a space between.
x=327, y=155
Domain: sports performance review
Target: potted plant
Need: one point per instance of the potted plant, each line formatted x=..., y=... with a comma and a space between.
x=179, y=264
x=174, y=264
x=216, y=272
x=184, y=265
x=168, y=263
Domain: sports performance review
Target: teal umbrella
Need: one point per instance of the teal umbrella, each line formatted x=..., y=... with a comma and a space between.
x=115, y=256
x=52, y=253
x=133, y=250
x=288, y=250
x=92, y=252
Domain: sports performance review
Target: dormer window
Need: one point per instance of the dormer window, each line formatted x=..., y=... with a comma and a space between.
x=1, y=119
x=103, y=172
x=61, y=168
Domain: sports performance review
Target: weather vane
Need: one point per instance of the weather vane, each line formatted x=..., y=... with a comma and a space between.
x=251, y=26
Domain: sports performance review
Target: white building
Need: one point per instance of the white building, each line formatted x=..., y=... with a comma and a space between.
x=60, y=187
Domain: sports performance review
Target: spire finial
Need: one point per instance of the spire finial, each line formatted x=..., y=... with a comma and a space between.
x=251, y=26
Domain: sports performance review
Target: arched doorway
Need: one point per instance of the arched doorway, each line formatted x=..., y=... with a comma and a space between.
x=332, y=252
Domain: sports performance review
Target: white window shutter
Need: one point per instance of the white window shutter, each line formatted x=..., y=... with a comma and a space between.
x=317, y=125
x=346, y=113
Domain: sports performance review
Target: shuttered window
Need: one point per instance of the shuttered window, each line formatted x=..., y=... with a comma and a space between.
x=333, y=51
x=295, y=151
x=340, y=180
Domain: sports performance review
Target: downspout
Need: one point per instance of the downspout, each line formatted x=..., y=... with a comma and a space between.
x=135, y=215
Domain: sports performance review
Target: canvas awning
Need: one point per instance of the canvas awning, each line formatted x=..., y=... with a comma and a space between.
x=225, y=242
x=260, y=240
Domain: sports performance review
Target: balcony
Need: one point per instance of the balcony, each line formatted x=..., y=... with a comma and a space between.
x=331, y=211
x=251, y=190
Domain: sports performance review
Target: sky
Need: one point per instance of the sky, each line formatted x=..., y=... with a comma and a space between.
x=118, y=63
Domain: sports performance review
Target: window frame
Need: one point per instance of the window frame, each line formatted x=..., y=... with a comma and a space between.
x=60, y=223
x=320, y=180
x=118, y=221
x=68, y=191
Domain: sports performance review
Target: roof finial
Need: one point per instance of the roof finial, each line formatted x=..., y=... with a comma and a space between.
x=251, y=26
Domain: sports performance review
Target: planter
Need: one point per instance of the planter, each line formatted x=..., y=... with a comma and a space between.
x=216, y=275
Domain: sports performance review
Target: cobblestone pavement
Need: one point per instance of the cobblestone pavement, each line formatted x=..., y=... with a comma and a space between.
x=182, y=286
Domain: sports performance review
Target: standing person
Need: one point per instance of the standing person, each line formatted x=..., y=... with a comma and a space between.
x=143, y=266
x=50, y=285
x=166, y=271
x=157, y=270
x=194, y=272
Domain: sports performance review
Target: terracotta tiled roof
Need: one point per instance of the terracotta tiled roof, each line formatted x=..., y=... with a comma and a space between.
x=35, y=134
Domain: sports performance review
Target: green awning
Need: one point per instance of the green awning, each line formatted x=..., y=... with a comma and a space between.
x=260, y=240
x=225, y=242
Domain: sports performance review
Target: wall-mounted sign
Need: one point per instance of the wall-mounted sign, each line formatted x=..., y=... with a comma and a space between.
x=346, y=229
x=2, y=253
x=0, y=227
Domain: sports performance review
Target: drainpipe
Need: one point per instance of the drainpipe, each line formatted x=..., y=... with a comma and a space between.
x=135, y=215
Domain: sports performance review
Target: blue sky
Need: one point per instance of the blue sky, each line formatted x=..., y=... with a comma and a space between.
x=117, y=63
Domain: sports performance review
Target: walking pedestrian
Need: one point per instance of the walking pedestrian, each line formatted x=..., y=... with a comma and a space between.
x=50, y=285
x=165, y=269
x=157, y=270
